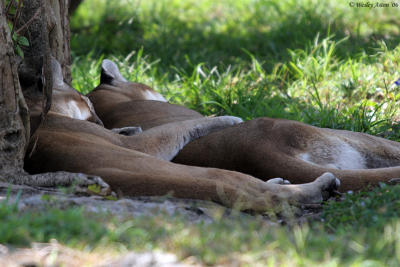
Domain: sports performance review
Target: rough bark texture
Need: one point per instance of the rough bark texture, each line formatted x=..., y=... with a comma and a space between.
x=45, y=23
x=48, y=33
x=14, y=119
x=14, y=116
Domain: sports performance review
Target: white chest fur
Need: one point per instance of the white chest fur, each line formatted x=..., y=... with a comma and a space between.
x=77, y=113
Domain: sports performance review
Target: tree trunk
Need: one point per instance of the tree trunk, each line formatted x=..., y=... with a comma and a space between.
x=48, y=33
x=52, y=24
x=14, y=119
x=45, y=23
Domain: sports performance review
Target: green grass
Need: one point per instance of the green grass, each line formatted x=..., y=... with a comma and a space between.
x=183, y=33
x=314, y=86
x=369, y=209
x=363, y=230
x=325, y=64
x=320, y=62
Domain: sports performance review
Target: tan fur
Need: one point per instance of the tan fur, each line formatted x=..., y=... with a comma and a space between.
x=138, y=165
x=264, y=147
x=267, y=148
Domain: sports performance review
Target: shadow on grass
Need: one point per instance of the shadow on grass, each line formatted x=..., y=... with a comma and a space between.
x=182, y=43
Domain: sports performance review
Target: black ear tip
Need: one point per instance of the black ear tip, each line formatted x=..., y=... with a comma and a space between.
x=105, y=78
x=110, y=72
x=107, y=71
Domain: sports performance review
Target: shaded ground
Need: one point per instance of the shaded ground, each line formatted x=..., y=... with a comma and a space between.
x=194, y=211
x=38, y=199
x=54, y=254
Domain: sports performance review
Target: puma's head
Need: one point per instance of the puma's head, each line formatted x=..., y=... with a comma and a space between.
x=66, y=101
x=112, y=80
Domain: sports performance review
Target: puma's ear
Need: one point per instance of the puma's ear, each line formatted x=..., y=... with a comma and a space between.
x=58, y=79
x=110, y=72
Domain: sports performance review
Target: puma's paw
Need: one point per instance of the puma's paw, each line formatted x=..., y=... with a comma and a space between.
x=321, y=189
x=230, y=120
x=312, y=193
x=328, y=184
x=277, y=181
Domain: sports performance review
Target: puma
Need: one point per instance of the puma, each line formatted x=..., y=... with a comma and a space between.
x=72, y=139
x=264, y=148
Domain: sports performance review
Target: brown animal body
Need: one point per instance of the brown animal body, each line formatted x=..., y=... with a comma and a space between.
x=263, y=147
x=139, y=165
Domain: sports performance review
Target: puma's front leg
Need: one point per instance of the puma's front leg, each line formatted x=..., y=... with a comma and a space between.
x=244, y=192
x=256, y=195
x=310, y=193
x=165, y=141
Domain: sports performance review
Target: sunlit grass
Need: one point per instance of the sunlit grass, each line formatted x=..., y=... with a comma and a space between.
x=319, y=62
x=315, y=86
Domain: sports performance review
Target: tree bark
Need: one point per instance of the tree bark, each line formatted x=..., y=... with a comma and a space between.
x=14, y=118
x=45, y=23
x=48, y=33
x=14, y=115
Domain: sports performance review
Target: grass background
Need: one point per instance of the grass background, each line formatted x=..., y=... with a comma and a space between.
x=320, y=62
